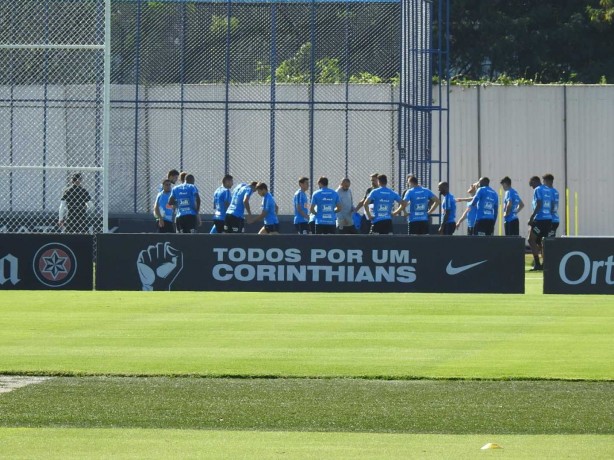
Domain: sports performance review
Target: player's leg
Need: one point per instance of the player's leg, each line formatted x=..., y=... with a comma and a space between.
x=449, y=228
x=534, y=244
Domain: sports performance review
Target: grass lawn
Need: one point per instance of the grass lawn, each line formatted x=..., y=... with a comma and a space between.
x=138, y=375
x=423, y=406
x=66, y=443
x=531, y=336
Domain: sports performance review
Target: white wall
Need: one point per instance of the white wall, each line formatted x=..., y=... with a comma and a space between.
x=532, y=130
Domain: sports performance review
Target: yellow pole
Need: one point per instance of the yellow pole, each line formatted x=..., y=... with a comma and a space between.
x=567, y=228
x=500, y=211
x=575, y=213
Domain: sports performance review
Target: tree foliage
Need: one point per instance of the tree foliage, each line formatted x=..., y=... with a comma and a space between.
x=602, y=14
x=546, y=41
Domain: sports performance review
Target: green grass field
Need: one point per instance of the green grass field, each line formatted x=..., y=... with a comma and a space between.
x=276, y=375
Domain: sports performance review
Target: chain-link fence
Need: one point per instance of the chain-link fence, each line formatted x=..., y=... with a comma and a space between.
x=268, y=91
x=263, y=90
x=51, y=115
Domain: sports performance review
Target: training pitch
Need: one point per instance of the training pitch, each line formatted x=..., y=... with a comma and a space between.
x=278, y=375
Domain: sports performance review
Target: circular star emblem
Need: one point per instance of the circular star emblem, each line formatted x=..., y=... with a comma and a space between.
x=55, y=265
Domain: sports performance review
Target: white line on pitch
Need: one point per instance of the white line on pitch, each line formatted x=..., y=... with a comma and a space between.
x=11, y=382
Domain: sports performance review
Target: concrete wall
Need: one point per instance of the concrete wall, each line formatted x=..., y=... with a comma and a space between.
x=524, y=131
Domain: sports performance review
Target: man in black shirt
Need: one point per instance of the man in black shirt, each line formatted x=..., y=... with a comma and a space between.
x=73, y=207
x=365, y=224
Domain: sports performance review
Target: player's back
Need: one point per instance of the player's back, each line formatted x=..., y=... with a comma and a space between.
x=325, y=201
x=383, y=200
x=236, y=207
x=185, y=198
x=486, y=202
x=418, y=198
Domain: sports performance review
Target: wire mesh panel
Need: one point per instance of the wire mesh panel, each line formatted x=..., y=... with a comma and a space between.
x=263, y=90
x=51, y=115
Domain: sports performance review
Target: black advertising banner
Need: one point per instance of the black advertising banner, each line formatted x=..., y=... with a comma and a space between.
x=46, y=261
x=579, y=266
x=310, y=263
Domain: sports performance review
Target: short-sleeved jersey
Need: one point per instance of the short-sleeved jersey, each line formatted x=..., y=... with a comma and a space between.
x=76, y=198
x=418, y=198
x=325, y=200
x=185, y=199
x=301, y=201
x=383, y=200
x=448, y=203
x=511, y=196
x=543, y=194
x=237, y=207
x=554, y=207
x=268, y=205
x=220, y=198
x=486, y=204
x=161, y=203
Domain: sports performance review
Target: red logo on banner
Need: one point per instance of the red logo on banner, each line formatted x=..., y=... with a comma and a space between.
x=55, y=265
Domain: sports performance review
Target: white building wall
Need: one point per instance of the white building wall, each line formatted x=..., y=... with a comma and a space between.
x=531, y=130
x=590, y=146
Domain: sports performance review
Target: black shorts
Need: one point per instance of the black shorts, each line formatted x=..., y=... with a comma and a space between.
x=382, y=227
x=449, y=228
x=302, y=228
x=420, y=227
x=233, y=224
x=347, y=230
x=272, y=228
x=312, y=227
x=325, y=229
x=512, y=228
x=169, y=227
x=365, y=225
x=219, y=226
x=484, y=227
x=76, y=222
x=553, y=228
x=541, y=229
x=186, y=224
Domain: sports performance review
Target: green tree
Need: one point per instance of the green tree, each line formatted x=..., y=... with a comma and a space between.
x=602, y=14
x=545, y=41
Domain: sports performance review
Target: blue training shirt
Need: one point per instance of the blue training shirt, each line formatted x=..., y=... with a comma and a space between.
x=486, y=204
x=237, y=207
x=220, y=198
x=512, y=196
x=543, y=194
x=185, y=199
x=325, y=201
x=268, y=205
x=418, y=198
x=383, y=200
x=554, y=207
x=301, y=201
x=448, y=203
x=161, y=203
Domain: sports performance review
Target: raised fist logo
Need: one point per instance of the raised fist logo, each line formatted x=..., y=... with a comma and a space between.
x=158, y=266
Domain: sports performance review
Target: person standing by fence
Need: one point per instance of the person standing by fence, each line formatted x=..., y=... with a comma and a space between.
x=512, y=204
x=186, y=200
x=74, y=204
x=163, y=212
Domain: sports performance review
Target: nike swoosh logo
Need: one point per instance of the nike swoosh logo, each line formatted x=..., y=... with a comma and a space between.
x=450, y=270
